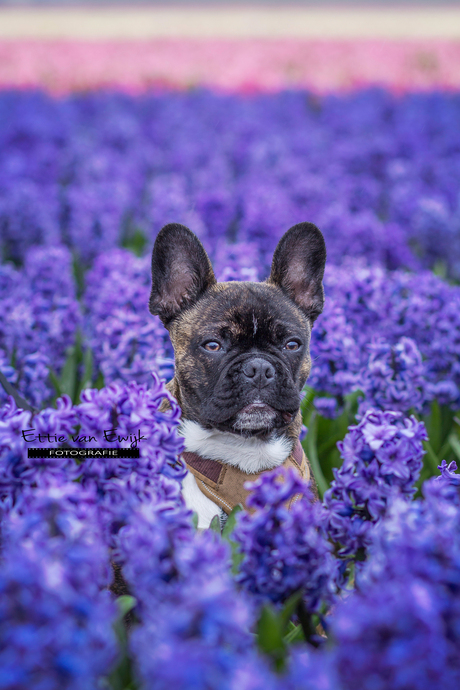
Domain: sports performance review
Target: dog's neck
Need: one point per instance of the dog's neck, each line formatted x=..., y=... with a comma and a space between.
x=251, y=455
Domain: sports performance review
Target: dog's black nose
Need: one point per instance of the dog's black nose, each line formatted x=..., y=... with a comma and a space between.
x=259, y=371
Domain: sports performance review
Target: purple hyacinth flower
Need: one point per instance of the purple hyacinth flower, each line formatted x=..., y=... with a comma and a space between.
x=283, y=550
x=382, y=457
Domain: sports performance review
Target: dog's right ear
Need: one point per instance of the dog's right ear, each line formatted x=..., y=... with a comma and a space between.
x=181, y=272
x=298, y=267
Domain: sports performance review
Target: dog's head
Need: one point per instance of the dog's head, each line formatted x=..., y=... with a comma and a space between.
x=241, y=349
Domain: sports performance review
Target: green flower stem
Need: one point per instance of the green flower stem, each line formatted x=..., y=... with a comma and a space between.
x=306, y=623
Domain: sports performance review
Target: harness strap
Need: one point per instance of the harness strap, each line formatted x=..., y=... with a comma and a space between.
x=224, y=484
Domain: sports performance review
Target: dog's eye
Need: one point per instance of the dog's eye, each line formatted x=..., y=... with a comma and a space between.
x=292, y=345
x=212, y=346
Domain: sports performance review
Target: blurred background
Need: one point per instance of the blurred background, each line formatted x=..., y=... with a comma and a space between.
x=231, y=45
x=309, y=3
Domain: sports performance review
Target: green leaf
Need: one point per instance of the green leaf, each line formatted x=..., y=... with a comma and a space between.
x=227, y=532
x=289, y=608
x=270, y=636
x=295, y=635
x=99, y=382
x=440, y=269
x=434, y=426
x=328, y=444
x=455, y=444
x=136, y=242
x=431, y=457
x=87, y=374
x=122, y=675
x=310, y=443
x=352, y=400
x=215, y=524
x=125, y=604
x=68, y=378
x=13, y=357
x=307, y=402
x=231, y=522
x=237, y=557
x=447, y=422
x=87, y=367
x=55, y=381
x=445, y=450
x=78, y=274
x=195, y=520
x=17, y=397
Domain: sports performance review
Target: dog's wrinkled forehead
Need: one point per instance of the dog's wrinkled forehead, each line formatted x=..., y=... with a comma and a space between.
x=244, y=314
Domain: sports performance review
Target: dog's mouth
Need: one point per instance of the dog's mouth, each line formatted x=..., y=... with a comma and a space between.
x=257, y=416
x=257, y=408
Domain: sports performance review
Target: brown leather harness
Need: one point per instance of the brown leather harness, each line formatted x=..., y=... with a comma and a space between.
x=224, y=484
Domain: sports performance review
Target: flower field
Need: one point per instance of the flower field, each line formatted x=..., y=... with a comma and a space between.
x=65, y=66
x=358, y=591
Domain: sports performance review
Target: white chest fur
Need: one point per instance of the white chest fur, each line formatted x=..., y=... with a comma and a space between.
x=251, y=455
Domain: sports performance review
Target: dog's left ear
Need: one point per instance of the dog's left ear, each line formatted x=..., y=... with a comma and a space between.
x=298, y=267
x=181, y=272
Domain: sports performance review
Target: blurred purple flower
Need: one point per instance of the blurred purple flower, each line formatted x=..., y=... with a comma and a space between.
x=404, y=628
x=283, y=550
x=336, y=359
x=127, y=341
x=55, y=615
x=39, y=319
x=311, y=670
x=391, y=635
x=382, y=457
x=116, y=416
x=17, y=471
x=187, y=600
x=394, y=377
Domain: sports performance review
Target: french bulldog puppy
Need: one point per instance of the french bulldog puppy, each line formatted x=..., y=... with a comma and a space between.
x=241, y=351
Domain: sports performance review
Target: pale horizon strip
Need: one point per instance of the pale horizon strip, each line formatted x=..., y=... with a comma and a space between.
x=124, y=23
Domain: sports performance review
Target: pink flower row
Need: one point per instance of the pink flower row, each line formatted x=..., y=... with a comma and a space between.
x=241, y=65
